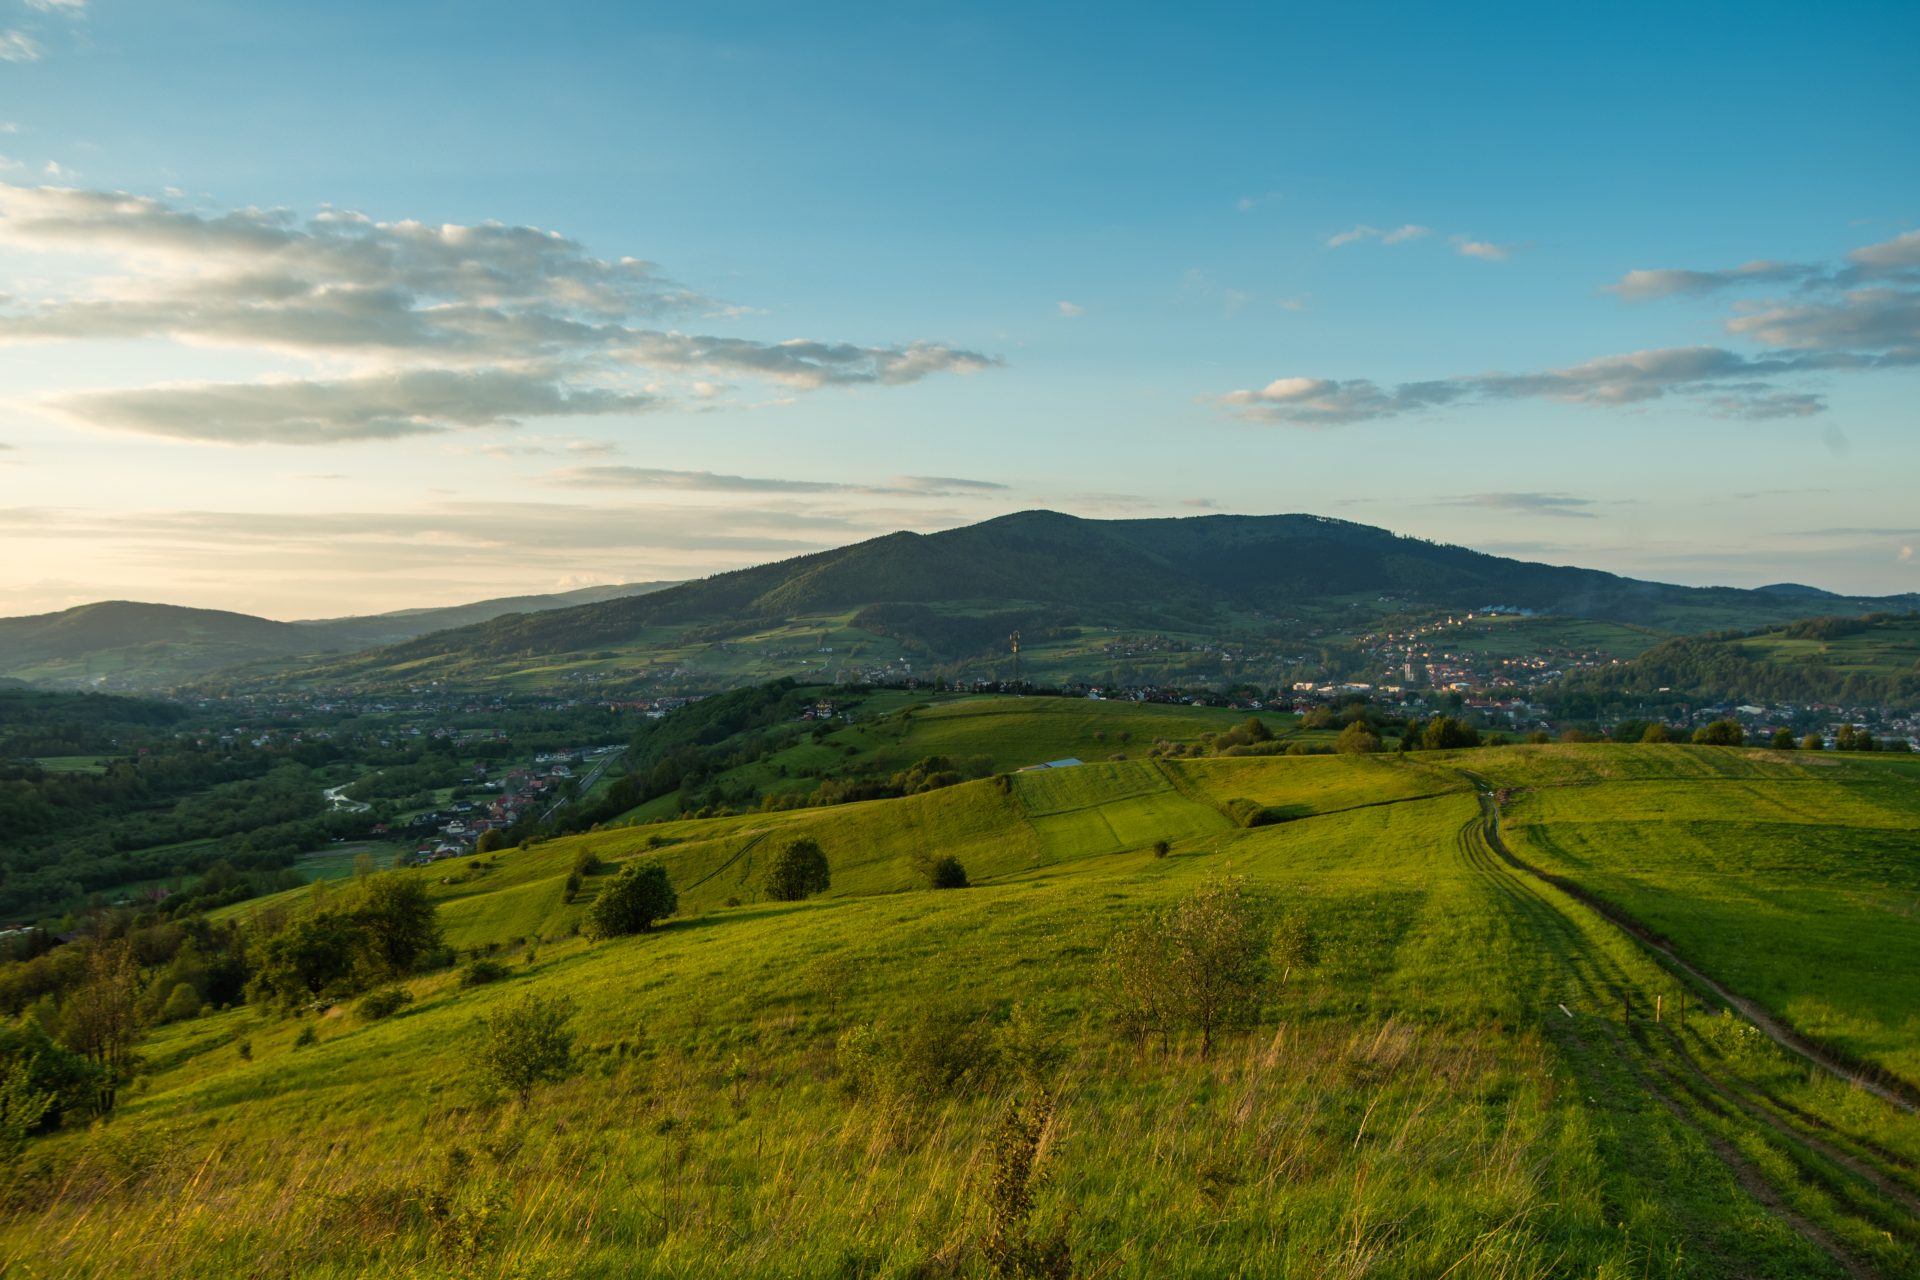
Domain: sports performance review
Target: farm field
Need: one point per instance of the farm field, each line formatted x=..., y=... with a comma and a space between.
x=1471, y=1081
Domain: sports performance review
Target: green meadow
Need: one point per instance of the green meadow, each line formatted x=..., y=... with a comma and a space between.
x=1482, y=1076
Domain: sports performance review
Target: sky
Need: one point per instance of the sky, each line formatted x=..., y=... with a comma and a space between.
x=314, y=310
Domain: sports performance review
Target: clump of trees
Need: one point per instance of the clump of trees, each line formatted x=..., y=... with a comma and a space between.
x=1721, y=733
x=1204, y=964
x=370, y=934
x=798, y=871
x=638, y=896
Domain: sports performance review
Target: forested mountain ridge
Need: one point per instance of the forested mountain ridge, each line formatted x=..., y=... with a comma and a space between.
x=140, y=645
x=1043, y=565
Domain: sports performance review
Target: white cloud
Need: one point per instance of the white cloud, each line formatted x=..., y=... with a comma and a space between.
x=372, y=407
x=1562, y=505
x=1824, y=328
x=1071, y=310
x=74, y=7
x=18, y=46
x=391, y=297
x=1485, y=250
x=619, y=477
x=1353, y=236
x=1642, y=286
x=1399, y=235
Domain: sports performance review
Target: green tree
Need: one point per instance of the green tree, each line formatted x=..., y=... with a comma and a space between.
x=491, y=840
x=1783, y=739
x=1445, y=733
x=101, y=1016
x=1357, y=738
x=528, y=1043
x=399, y=921
x=799, y=872
x=947, y=873
x=1203, y=963
x=637, y=896
x=1721, y=733
x=1813, y=742
x=1656, y=732
x=183, y=1003
x=23, y=1107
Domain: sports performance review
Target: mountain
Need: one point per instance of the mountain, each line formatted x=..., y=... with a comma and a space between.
x=124, y=644
x=953, y=595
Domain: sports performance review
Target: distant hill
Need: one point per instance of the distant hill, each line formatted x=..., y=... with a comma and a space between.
x=1850, y=662
x=947, y=595
x=123, y=644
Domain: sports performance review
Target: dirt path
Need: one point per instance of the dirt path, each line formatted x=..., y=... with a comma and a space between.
x=1895, y=1092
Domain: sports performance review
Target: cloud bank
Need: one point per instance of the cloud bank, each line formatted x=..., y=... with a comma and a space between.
x=1857, y=316
x=447, y=326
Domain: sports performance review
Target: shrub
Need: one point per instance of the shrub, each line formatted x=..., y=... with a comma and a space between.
x=1202, y=963
x=1248, y=813
x=1295, y=944
x=1357, y=738
x=1783, y=739
x=586, y=862
x=182, y=1003
x=528, y=1043
x=639, y=895
x=384, y=1003
x=1656, y=733
x=1813, y=742
x=947, y=873
x=307, y=1036
x=1162, y=847
x=483, y=971
x=799, y=872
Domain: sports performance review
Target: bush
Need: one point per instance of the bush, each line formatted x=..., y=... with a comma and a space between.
x=483, y=971
x=384, y=1003
x=639, y=895
x=308, y=1036
x=1656, y=733
x=1248, y=813
x=947, y=873
x=182, y=1003
x=528, y=1043
x=1202, y=963
x=1357, y=739
x=1783, y=739
x=1162, y=847
x=799, y=872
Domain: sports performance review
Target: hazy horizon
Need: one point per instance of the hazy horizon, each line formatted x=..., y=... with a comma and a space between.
x=318, y=312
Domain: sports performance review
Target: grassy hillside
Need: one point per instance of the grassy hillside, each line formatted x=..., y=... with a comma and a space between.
x=1470, y=1082
x=1872, y=660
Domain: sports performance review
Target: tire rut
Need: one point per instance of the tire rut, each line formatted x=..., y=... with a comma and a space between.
x=1601, y=982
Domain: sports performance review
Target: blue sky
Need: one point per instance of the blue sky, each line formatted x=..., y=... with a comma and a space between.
x=1365, y=261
